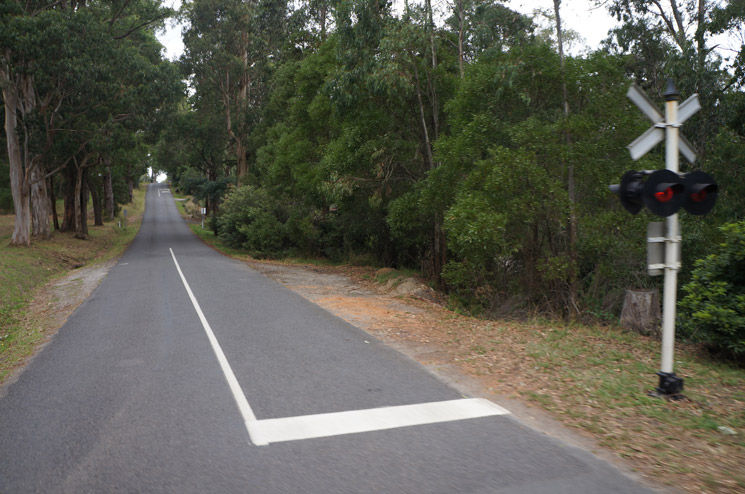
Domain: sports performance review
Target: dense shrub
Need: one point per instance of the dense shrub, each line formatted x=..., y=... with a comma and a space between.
x=713, y=309
x=253, y=219
x=499, y=232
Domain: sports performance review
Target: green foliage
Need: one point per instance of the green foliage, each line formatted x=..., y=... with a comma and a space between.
x=500, y=227
x=364, y=140
x=211, y=191
x=95, y=90
x=249, y=219
x=713, y=309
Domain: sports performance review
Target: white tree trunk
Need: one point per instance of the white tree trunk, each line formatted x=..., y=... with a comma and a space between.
x=18, y=188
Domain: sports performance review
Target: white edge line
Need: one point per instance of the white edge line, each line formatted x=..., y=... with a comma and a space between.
x=376, y=419
x=240, y=398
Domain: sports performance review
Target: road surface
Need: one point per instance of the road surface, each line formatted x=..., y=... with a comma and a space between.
x=188, y=372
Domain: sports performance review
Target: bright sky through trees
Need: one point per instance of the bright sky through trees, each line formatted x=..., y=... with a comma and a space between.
x=591, y=22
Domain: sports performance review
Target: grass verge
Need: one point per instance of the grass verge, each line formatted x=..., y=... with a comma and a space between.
x=25, y=270
x=596, y=379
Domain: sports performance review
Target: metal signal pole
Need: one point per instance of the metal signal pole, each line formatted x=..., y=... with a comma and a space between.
x=672, y=250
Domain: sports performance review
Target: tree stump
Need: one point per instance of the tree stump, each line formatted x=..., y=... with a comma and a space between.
x=641, y=312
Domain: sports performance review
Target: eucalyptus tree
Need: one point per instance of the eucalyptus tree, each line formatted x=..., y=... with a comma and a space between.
x=122, y=87
x=729, y=18
x=195, y=140
x=485, y=26
x=26, y=29
x=67, y=77
x=230, y=47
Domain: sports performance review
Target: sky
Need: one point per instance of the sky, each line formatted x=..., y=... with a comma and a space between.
x=171, y=38
x=591, y=22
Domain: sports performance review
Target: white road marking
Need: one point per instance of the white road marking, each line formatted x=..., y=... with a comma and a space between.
x=240, y=398
x=267, y=431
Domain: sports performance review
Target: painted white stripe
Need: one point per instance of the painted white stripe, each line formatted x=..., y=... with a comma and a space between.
x=240, y=398
x=268, y=431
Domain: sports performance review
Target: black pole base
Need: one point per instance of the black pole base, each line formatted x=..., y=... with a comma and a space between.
x=671, y=386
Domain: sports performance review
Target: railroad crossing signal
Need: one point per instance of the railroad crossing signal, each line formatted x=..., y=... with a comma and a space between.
x=664, y=192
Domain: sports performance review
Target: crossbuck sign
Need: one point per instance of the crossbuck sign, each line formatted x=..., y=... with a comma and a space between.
x=656, y=132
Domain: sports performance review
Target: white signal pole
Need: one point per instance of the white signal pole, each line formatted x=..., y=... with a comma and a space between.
x=672, y=227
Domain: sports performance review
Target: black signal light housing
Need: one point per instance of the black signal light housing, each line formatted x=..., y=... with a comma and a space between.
x=700, y=192
x=663, y=193
x=630, y=191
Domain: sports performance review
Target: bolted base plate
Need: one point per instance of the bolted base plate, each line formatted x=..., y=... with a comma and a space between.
x=671, y=386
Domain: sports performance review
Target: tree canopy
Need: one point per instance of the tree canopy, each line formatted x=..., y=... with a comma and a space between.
x=84, y=86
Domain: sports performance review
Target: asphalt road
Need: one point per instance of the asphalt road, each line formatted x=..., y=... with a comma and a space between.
x=188, y=372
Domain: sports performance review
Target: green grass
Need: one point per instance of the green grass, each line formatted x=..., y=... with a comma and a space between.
x=598, y=379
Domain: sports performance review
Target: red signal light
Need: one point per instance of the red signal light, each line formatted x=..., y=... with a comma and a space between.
x=664, y=196
x=699, y=196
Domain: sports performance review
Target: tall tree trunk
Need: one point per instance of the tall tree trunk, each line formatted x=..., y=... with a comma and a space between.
x=78, y=202
x=130, y=183
x=240, y=148
x=573, y=308
x=96, y=199
x=439, y=245
x=431, y=75
x=21, y=203
x=323, y=14
x=81, y=198
x=439, y=250
x=84, y=195
x=68, y=219
x=40, y=205
x=422, y=115
x=53, y=203
x=108, y=192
